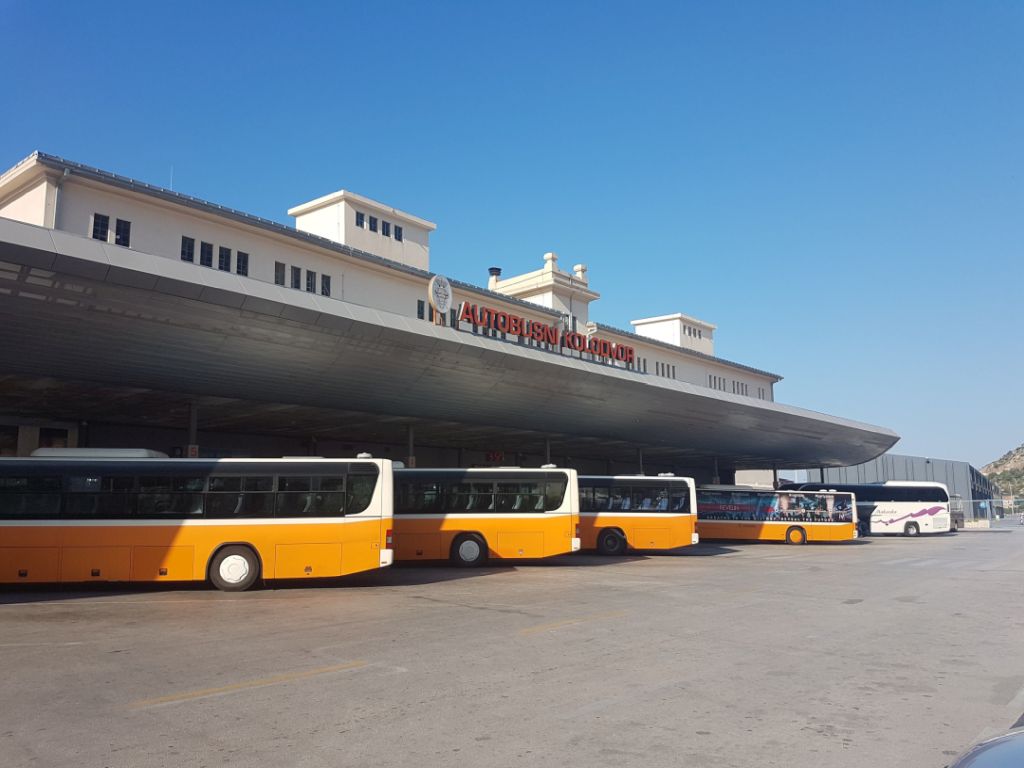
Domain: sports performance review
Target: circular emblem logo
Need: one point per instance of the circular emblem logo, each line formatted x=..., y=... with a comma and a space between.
x=439, y=292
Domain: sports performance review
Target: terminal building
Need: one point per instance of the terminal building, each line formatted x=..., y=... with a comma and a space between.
x=138, y=316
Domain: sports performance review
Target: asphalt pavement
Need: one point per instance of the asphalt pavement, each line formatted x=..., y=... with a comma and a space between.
x=881, y=652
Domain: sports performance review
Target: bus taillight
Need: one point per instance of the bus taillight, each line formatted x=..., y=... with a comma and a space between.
x=577, y=530
x=389, y=538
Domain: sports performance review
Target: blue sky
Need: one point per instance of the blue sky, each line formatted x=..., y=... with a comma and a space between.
x=838, y=186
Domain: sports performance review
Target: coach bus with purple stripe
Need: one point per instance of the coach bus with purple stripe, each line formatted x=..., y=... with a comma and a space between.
x=902, y=507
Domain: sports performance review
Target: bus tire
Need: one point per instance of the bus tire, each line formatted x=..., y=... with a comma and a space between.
x=796, y=535
x=234, y=569
x=611, y=542
x=911, y=529
x=469, y=550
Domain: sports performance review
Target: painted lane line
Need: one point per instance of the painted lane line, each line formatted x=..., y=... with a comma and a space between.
x=287, y=677
x=570, y=622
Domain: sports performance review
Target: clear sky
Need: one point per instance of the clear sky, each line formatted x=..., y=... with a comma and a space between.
x=839, y=187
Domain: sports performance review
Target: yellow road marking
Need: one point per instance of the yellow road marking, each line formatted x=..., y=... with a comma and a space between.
x=287, y=677
x=569, y=622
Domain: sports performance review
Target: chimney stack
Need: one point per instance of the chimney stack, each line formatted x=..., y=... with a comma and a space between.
x=492, y=281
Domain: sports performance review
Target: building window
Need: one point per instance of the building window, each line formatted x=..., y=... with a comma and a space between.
x=188, y=249
x=123, y=233
x=373, y=223
x=455, y=319
x=206, y=254
x=224, y=259
x=385, y=228
x=100, y=226
x=360, y=220
x=398, y=233
x=421, y=308
x=325, y=285
x=673, y=371
x=242, y=263
x=310, y=281
x=297, y=278
x=278, y=273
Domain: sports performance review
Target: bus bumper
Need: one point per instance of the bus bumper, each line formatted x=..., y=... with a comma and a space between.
x=387, y=557
x=575, y=545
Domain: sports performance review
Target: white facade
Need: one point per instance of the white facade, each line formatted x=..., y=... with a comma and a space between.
x=679, y=330
x=367, y=225
x=353, y=264
x=568, y=293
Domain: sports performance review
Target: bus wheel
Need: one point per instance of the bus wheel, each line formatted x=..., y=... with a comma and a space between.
x=469, y=550
x=611, y=542
x=234, y=569
x=911, y=529
x=796, y=535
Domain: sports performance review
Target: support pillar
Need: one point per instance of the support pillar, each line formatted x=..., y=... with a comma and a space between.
x=715, y=479
x=640, y=459
x=192, y=451
x=410, y=458
x=547, y=450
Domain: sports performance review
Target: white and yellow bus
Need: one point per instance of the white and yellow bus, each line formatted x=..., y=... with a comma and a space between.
x=623, y=512
x=471, y=515
x=742, y=512
x=232, y=522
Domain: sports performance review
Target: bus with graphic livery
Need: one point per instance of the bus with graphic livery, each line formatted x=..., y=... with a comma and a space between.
x=623, y=512
x=904, y=507
x=469, y=516
x=759, y=514
x=232, y=522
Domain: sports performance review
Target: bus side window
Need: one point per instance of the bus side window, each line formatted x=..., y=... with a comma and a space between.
x=294, y=497
x=330, y=499
x=680, y=499
x=621, y=498
x=170, y=496
x=554, y=492
x=30, y=497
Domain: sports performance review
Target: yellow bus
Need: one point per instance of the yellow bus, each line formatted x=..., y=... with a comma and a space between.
x=471, y=515
x=738, y=512
x=624, y=512
x=232, y=522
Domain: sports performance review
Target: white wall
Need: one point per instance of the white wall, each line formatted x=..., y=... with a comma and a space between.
x=157, y=228
x=30, y=205
x=413, y=249
x=673, y=330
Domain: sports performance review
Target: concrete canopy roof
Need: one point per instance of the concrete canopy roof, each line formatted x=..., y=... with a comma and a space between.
x=77, y=310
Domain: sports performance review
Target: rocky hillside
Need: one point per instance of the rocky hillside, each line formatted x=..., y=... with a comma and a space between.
x=1007, y=471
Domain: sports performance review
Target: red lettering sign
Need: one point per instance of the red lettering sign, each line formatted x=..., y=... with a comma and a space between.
x=546, y=334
